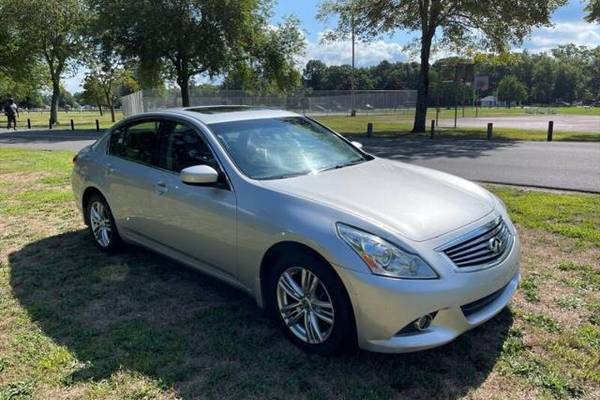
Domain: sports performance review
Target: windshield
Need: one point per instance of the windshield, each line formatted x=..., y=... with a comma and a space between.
x=276, y=148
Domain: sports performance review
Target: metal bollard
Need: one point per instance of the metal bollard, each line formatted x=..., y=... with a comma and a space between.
x=550, y=130
x=490, y=128
x=97, y=126
x=369, y=129
x=432, y=129
x=28, y=123
x=49, y=124
x=72, y=125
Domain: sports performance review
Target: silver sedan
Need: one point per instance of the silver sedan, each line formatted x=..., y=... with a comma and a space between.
x=341, y=247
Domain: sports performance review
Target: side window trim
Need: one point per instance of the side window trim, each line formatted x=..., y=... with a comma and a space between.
x=161, y=120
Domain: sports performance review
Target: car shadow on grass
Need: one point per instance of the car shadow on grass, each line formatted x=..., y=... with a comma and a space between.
x=140, y=312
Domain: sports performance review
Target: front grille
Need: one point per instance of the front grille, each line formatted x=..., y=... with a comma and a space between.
x=472, y=308
x=484, y=246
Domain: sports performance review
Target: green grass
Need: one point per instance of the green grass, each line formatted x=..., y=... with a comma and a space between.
x=81, y=119
x=400, y=124
x=576, y=216
x=75, y=323
x=530, y=288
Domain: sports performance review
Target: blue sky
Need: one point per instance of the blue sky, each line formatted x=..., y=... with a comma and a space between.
x=569, y=26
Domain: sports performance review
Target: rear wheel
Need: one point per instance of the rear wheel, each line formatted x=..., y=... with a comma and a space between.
x=102, y=224
x=311, y=305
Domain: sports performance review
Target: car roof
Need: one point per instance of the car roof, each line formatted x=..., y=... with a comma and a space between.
x=226, y=113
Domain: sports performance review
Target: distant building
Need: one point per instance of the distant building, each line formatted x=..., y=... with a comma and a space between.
x=489, y=101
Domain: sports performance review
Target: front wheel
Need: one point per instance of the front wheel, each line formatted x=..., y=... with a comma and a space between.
x=310, y=302
x=102, y=224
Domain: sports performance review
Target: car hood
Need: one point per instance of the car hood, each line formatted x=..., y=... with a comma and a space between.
x=415, y=202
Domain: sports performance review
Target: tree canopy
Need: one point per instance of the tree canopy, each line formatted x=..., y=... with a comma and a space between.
x=511, y=89
x=267, y=63
x=51, y=33
x=593, y=11
x=567, y=73
x=458, y=24
x=187, y=37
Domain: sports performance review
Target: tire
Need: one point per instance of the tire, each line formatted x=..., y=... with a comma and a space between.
x=102, y=227
x=312, y=311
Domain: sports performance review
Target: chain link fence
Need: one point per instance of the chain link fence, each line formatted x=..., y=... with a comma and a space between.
x=319, y=102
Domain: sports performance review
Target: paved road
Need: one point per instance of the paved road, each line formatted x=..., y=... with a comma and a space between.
x=574, y=123
x=558, y=165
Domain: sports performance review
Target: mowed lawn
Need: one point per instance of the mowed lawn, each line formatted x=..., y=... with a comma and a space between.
x=77, y=324
x=81, y=119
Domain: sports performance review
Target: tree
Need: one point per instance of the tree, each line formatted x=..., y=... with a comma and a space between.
x=21, y=75
x=53, y=33
x=593, y=11
x=511, y=89
x=568, y=82
x=107, y=85
x=189, y=37
x=489, y=25
x=315, y=74
x=267, y=63
x=66, y=99
x=92, y=93
x=544, y=76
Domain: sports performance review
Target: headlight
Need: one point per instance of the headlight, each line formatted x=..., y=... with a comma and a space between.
x=383, y=258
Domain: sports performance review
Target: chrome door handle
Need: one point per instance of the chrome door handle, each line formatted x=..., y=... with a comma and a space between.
x=161, y=188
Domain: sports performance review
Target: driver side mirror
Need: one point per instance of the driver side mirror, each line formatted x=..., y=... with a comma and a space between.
x=358, y=145
x=199, y=175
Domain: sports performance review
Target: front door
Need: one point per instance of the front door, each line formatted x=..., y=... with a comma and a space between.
x=197, y=221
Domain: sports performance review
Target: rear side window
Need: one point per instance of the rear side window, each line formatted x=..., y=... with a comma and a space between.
x=136, y=142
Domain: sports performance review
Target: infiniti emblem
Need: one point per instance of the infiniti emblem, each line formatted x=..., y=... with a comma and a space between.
x=495, y=245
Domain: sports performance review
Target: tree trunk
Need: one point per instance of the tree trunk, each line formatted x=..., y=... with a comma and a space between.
x=100, y=108
x=420, y=124
x=184, y=84
x=111, y=106
x=54, y=100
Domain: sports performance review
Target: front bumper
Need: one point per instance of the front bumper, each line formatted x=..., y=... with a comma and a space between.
x=384, y=306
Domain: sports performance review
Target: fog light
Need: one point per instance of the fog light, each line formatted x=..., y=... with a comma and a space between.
x=423, y=323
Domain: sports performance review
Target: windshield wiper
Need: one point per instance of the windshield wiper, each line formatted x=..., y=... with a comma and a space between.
x=283, y=176
x=338, y=166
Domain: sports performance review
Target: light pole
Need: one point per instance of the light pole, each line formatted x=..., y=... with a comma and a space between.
x=352, y=79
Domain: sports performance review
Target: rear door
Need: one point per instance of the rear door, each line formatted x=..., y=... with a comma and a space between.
x=131, y=168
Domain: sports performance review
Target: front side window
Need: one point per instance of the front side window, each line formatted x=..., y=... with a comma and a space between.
x=276, y=148
x=135, y=142
x=182, y=147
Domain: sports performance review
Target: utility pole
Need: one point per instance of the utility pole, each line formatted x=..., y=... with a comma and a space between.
x=352, y=80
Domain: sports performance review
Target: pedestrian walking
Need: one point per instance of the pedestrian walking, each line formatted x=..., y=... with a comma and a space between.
x=12, y=112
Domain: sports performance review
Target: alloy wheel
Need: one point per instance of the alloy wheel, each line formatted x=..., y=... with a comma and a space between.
x=305, y=305
x=100, y=223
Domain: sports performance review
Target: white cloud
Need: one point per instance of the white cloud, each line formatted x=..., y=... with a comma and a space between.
x=579, y=32
x=340, y=52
